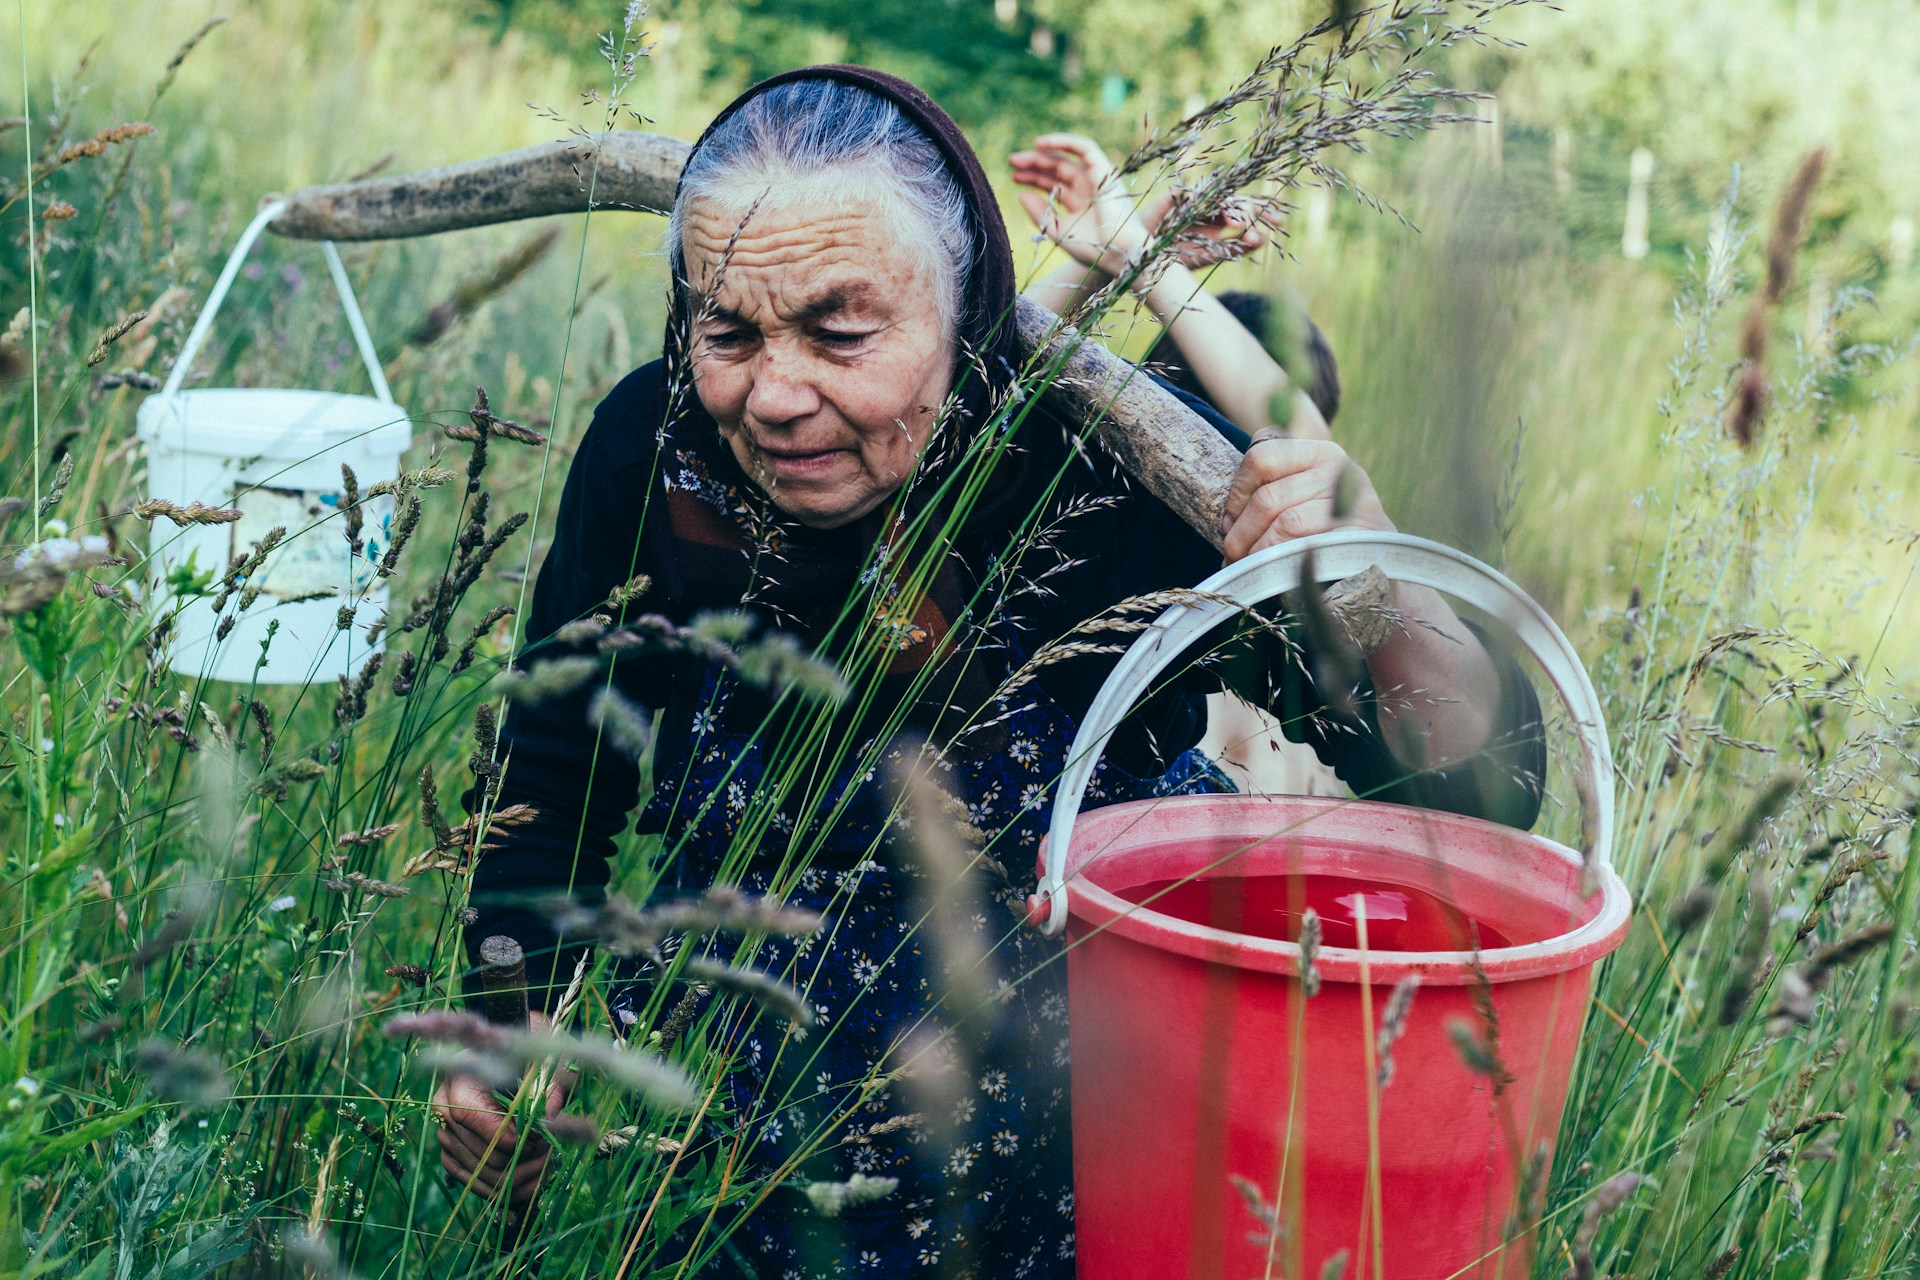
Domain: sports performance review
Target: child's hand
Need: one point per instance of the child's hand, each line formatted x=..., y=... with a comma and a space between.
x=1232, y=233
x=1077, y=200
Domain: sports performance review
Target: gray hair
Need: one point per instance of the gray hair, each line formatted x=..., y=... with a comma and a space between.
x=850, y=135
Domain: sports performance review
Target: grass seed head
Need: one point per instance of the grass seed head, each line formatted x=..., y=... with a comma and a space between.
x=192, y=513
x=829, y=1198
x=189, y=1076
x=765, y=990
x=1393, y=1024
x=113, y=335
x=1310, y=933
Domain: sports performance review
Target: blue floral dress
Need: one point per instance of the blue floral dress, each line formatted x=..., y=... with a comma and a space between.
x=977, y=1132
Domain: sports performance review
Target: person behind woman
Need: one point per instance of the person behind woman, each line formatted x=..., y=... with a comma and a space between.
x=838, y=364
x=1076, y=198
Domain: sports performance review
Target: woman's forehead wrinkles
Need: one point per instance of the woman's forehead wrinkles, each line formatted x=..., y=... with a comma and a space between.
x=805, y=274
x=777, y=238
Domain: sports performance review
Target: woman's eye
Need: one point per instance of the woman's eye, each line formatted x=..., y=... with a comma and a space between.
x=725, y=339
x=843, y=339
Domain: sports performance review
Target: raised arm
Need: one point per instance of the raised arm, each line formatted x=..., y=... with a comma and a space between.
x=1075, y=197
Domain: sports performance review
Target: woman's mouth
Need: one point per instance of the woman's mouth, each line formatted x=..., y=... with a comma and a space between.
x=799, y=462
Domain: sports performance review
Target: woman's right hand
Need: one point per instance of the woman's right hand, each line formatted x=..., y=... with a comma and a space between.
x=478, y=1144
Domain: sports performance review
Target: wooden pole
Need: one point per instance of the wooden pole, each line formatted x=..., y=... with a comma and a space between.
x=1175, y=454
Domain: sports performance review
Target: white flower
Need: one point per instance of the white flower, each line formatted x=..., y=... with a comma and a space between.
x=1006, y=1142
x=962, y=1159
x=286, y=902
x=994, y=1084
x=918, y=1227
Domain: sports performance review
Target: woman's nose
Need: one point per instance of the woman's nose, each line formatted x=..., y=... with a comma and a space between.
x=781, y=392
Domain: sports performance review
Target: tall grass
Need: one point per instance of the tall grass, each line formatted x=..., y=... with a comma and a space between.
x=203, y=930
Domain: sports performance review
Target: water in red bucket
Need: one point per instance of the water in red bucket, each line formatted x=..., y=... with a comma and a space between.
x=1228, y=1125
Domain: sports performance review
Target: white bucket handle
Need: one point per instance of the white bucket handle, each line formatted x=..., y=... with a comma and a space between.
x=1266, y=574
x=348, y=303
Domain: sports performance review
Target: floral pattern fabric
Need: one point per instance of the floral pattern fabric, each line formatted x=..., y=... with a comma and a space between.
x=979, y=1135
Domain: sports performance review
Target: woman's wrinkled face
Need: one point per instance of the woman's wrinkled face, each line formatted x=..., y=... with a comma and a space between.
x=818, y=348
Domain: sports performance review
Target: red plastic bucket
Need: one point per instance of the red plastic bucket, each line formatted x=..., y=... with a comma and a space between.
x=1213, y=1098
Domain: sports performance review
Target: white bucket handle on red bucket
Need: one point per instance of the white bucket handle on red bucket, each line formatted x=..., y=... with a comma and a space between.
x=348, y=303
x=1275, y=571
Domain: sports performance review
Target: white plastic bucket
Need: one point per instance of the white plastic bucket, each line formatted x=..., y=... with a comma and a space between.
x=275, y=455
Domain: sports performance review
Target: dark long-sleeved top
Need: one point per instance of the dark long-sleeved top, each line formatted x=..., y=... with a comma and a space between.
x=610, y=528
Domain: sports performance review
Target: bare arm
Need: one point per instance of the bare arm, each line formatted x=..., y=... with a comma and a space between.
x=1239, y=375
x=1074, y=196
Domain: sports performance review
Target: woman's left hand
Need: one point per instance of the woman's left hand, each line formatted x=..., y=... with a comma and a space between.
x=1288, y=487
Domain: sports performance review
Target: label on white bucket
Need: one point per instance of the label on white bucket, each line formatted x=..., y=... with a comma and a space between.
x=311, y=559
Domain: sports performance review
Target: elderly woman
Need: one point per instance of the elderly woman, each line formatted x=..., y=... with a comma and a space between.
x=832, y=443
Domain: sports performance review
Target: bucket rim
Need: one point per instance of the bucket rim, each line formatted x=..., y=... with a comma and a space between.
x=1578, y=948
x=163, y=419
